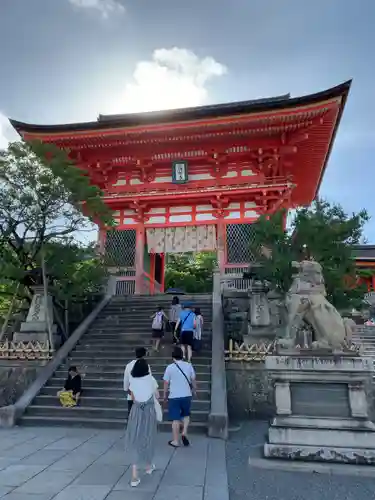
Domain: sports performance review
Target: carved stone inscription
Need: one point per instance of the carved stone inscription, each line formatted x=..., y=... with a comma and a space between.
x=311, y=399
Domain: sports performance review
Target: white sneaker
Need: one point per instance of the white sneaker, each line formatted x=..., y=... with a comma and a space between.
x=151, y=470
x=134, y=482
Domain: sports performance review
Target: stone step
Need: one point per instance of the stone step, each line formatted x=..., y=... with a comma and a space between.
x=115, y=372
x=114, y=392
x=133, y=339
x=127, y=356
x=164, y=353
x=203, y=381
x=97, y=412
x=79, y=358
x=145, y=308
x=148, y=308
x=132, y=329
x=135, y=326
x=121, y=343
x=96, y=423
x=141, y=311
x=106, y=402
x=167, y=297
x=199, y=365
x=112, y=365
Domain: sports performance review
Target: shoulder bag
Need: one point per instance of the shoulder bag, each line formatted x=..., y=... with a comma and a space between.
x=184, y=374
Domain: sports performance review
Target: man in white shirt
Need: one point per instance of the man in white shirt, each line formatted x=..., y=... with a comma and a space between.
x=180, y=383
x=140, y=353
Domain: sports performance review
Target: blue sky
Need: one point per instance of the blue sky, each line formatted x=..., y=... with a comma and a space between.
x=69, y=60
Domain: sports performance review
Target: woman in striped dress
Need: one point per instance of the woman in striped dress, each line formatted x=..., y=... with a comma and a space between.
x=141, y=430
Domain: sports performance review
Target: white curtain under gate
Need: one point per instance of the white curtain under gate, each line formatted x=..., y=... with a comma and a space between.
x=182, y=239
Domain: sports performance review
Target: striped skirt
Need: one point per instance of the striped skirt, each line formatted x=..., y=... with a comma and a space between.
x=140, y=437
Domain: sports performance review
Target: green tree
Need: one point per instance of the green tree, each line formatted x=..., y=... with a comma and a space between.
x=323, y=231
x=45, y=201
x=190, y=272
x=75, y=270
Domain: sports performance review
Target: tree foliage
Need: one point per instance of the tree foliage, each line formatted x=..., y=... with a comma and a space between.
x=75, y=270
x=45, y=202
x=323, y=231
x=190, y=272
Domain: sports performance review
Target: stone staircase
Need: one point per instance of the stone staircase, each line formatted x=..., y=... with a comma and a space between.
x=101, y=356
x=365, y=336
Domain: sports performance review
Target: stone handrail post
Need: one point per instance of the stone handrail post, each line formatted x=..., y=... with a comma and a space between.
x=218, y=417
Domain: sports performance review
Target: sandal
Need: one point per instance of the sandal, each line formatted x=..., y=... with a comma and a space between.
x=185, y=441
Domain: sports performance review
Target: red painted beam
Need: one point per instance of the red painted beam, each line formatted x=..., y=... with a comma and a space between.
x=145, y=152
x=185, y=197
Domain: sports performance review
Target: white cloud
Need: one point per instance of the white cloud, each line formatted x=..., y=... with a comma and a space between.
x=105, y=7
x=173, y=78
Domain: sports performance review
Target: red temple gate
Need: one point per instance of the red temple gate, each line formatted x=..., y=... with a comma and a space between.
x=196, y=179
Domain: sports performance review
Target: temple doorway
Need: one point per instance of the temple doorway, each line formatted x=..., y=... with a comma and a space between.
x=167, y=244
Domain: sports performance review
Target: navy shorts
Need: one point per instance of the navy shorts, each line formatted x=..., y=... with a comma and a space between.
x=178, y=408
x=187, y=338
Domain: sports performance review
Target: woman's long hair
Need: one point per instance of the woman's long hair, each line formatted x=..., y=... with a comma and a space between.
x=140, y=368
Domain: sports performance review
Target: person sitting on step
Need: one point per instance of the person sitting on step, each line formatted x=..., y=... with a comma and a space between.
x=70, y=395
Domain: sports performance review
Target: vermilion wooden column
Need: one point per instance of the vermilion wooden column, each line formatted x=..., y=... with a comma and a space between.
x=152, y=273
x=373, y=281
x=221, y=243
x=139, y=257
x=162, y=284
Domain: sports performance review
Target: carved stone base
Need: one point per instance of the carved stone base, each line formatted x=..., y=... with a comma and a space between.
x=321, y=409
x=365, y=456
x=42, y=338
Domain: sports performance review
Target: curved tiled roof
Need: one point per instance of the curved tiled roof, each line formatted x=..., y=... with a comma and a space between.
x=186, y=114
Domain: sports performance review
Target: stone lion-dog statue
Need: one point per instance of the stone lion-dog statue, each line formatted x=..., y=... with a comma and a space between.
x=306, y=301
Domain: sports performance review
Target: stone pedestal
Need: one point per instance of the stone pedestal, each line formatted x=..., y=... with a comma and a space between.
x=259, y=309
x=35, y=329
x=321, y=409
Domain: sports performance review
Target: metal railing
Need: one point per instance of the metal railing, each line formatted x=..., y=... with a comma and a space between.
x=125, y=285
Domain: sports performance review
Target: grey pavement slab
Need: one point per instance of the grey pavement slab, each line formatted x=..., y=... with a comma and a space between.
x=67, y=443
x=43, y=457
x=15, y=475
x=216, y=480
x=48, y=481
x=22, y=496
x=5, y=462
x=101, y=475
x=169, y=492
x=81, y=464
x=4, y=490
x=135, y=494
x=77, y=492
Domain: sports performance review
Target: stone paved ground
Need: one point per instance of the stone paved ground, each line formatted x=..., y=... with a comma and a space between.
x=261, y=479
x=82, y=464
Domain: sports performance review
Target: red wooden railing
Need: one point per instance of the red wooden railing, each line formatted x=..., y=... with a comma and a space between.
x=149, y=285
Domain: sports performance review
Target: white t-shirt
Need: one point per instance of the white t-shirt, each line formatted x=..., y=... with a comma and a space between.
x=127, y=376
x=143, y=388
x=178, y=385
